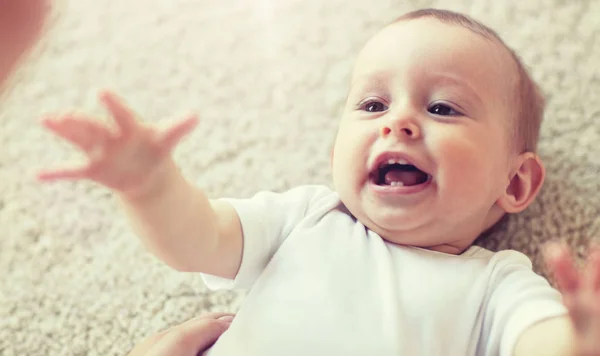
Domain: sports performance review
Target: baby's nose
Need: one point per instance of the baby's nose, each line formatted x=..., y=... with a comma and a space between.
x=401, y=127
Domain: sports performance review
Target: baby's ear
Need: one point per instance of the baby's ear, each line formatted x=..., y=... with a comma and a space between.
x=524, y=183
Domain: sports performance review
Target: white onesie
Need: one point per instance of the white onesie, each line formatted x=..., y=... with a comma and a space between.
x=321, y=283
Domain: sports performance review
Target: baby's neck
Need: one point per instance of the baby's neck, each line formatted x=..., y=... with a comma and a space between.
x=448, y=249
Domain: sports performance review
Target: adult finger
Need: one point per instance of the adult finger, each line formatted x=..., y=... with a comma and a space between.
x=209, y=316
x=560, y=263
x=123, y=115
x=149, y=343
x=146, y=344
x=190, y=338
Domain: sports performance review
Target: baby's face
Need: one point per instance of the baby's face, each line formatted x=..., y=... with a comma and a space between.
x=422, y=152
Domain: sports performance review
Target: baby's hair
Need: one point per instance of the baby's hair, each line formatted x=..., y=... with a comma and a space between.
x=528, y=98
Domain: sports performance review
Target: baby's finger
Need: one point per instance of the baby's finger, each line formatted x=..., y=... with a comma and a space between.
x=80, y=132
x=561, y=265
x=123, y=116
x=173, y=135
x=64, y=174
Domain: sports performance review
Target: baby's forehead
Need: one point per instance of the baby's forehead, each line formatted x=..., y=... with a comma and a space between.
x=427, y=44
x=419, y=38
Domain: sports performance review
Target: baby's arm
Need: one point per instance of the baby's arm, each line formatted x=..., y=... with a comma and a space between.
x=552, y=337
x=175, y=219
x=186, y=230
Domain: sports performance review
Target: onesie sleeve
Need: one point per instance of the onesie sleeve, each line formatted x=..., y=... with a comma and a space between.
x=267, y=219
x=517, y=299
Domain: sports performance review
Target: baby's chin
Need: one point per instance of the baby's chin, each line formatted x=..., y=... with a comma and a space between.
x=395, y=223
x=427, y=240
x=411, y=229
x=399, y=228
x=396, y=235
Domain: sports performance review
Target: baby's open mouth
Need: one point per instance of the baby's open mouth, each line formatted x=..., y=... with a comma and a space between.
x=396, y=174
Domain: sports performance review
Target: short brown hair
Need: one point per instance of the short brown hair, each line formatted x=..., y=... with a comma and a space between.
x=528, y=98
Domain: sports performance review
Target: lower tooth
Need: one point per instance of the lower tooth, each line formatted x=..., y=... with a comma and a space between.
x=397, y=184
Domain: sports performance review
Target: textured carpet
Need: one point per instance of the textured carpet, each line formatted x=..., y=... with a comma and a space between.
x=269, y=79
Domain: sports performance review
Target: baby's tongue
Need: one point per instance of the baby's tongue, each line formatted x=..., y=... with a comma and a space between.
x=404, y=177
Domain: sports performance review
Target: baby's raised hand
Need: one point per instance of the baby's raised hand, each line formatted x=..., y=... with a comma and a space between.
x=581, y=295
x=127, y=158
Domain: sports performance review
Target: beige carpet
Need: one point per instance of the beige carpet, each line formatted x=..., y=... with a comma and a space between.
x=269, y=78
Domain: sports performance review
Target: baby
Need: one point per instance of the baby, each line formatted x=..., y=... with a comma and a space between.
x=436, y=144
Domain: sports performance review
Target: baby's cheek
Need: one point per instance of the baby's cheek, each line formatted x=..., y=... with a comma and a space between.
x=467, y=168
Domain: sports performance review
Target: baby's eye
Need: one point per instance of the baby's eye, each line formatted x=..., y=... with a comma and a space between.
x=443, y=110
x=373, y=106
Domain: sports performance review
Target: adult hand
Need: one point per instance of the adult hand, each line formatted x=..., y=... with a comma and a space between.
x=188, y=339
x=21, y=23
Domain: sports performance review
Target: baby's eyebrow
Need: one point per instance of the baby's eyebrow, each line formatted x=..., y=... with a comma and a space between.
x=446, y=78
x=377, y=81
x=380, y=82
